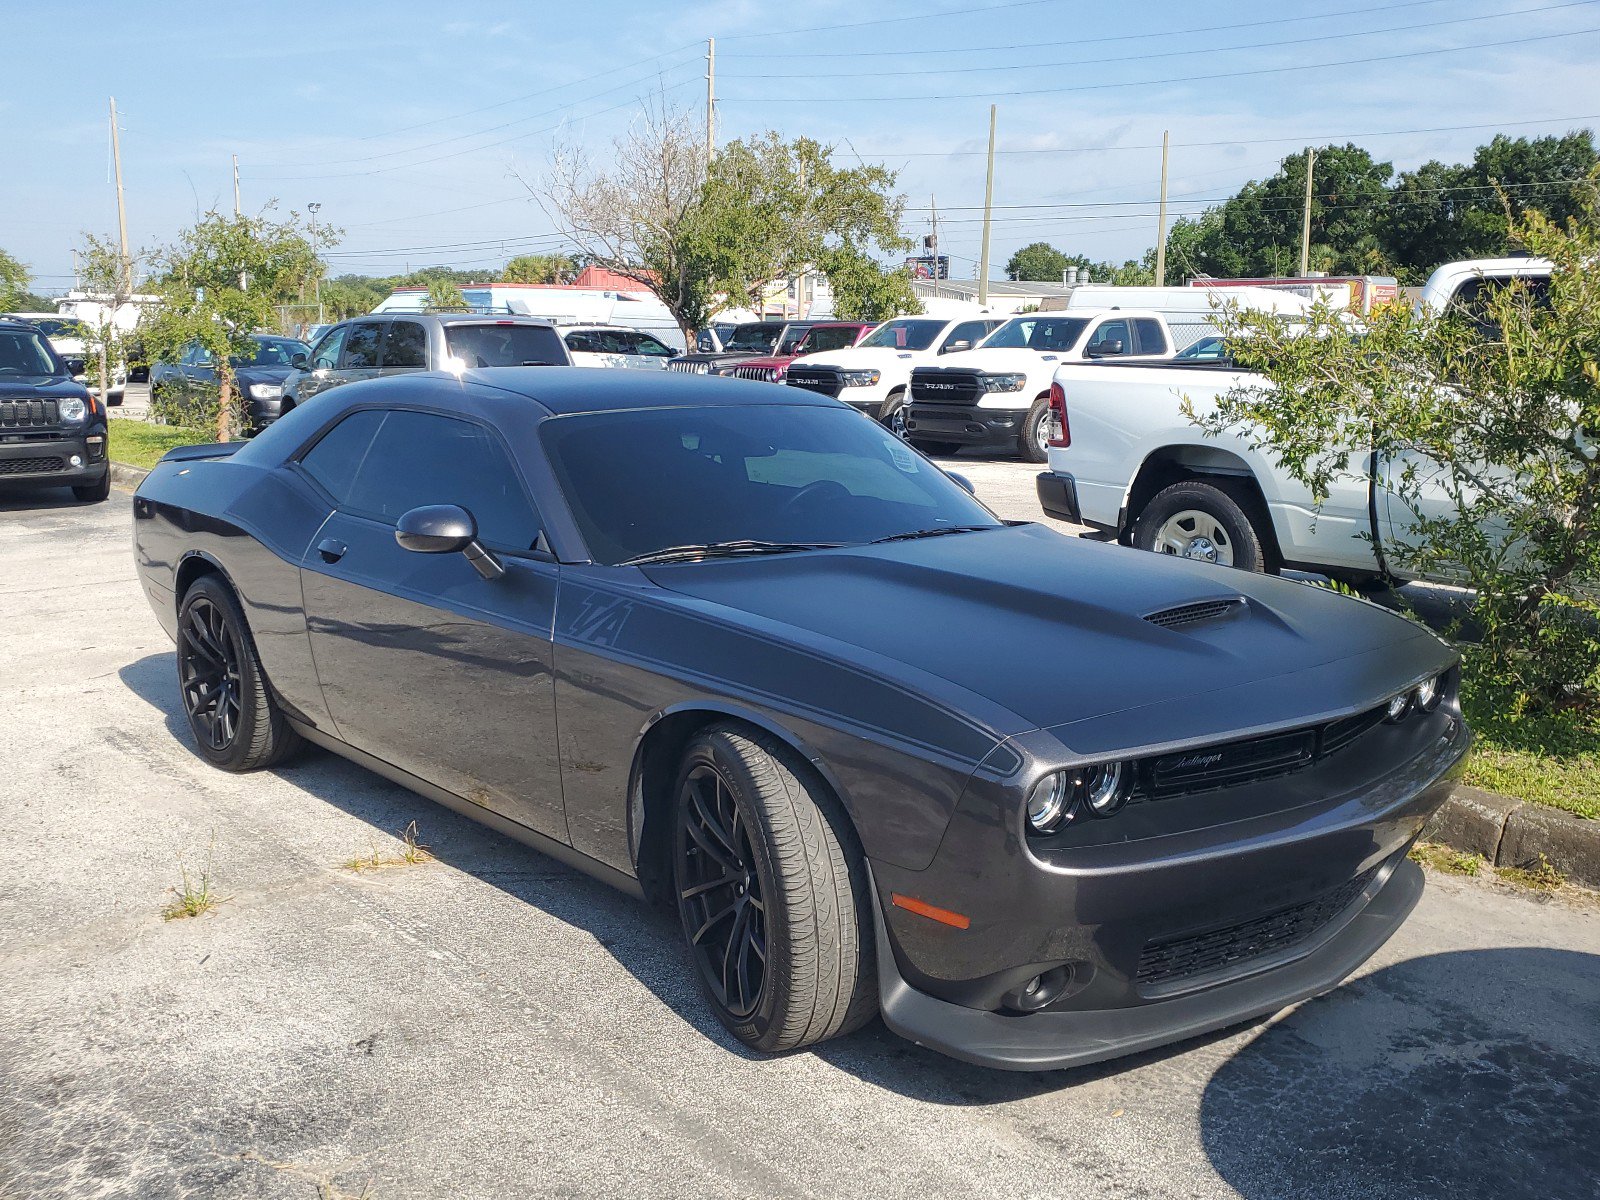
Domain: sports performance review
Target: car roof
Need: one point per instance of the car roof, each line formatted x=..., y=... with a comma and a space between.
x=568, y=390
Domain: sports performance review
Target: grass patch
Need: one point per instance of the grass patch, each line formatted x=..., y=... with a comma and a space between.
x=1542, y=876
x=141, y=444
x=196, y=893
x=1548, y=758
x=1446, y=860
x=411, y=854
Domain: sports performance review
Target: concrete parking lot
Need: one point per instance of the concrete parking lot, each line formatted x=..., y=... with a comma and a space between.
x=492, y=1024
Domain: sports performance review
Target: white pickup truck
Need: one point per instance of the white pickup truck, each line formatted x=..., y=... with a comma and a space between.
x=997, y=396
x=1126, y=460
x=872, y=376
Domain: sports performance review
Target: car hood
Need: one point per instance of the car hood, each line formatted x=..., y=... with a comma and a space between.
x=40, y=387
x=726, y=356
x=1002, y=359
x=249, y=375
x=864, y=356
x=1050, y=628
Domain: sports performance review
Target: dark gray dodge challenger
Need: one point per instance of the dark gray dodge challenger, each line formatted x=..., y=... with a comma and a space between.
x=736, y=649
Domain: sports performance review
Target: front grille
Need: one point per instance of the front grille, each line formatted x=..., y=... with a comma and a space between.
x=760, y=374
x=946, y=385
x=691, y=368
x=1176, y=959
x=32, y=466
x=28, y=414
x=827, y=380
x=1191, y=614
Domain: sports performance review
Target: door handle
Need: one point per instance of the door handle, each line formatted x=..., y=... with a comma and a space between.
x=331, y=550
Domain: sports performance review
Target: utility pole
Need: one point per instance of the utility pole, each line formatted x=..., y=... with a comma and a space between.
x=933, y=207
x=74, y=270
x=711, y=100
x=122, y=212
x=988, y=205
x=1161, y=221
x=317, y=277
x=1305, y=225
x=236, y=185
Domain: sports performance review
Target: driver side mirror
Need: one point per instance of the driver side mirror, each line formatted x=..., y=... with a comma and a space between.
x=75, y=366
x=963, y=482
x=955, y=346
x=1103, y=349
x=300, y=360
x=446, y=529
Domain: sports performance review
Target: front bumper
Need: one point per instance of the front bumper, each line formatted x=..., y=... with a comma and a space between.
x=1278, y=891
x=965, y=425
x=46, y=461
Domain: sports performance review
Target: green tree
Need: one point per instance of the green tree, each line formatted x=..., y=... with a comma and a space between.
x=445, y=296
x=222, y=281
x=1489, y=414
x=864, y=291
x=540, y=268
x=13, y=284
x=1042, y=262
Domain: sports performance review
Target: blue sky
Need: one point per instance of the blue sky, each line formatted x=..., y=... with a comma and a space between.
x=409, y=123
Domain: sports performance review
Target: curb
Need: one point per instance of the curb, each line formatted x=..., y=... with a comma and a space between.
x=125, y=477
x=1514, y=833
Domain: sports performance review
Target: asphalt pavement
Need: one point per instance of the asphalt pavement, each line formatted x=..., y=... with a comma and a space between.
x=492, y=1024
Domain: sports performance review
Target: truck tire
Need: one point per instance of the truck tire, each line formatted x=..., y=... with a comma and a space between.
x=892, y=404
x=1200, y=521
x=935, y=449
x=1035, y=432
x=93, y=493
x=772, y=892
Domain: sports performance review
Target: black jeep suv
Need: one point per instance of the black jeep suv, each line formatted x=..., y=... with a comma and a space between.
x=52, y=431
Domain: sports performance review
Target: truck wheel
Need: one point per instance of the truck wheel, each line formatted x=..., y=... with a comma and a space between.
x=1033, y=438
x=935, y=449
x=236, y=721
x=91, y=493
x=891, y=411
x=1200, y=521
x=772, y=893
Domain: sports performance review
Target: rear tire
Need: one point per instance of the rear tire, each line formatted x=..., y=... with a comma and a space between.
x=935, y=449
x=772, y=892
x=93, y=493
x=1034, y=435
x=237, y=723
x=1201, y=521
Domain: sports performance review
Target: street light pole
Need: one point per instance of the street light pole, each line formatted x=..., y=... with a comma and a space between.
x=316, y=278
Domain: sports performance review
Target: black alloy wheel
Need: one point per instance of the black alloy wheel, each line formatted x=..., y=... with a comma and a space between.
x=209, y=675
x=720, y=897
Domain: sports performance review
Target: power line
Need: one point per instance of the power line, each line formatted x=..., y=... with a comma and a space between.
x=1209, y=77
x=1078, y=62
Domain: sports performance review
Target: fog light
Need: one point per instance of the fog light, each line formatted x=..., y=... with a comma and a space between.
x=1428, y=694
x=76, y=461
x=1398, y=707
x=1039, y=992
x=1048, y=803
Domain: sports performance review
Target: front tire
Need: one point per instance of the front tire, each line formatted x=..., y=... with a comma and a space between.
x=1201, y=521
x=93, y=493
x=891, y=415
x=237, y=723
x=1034, y=437
x=772, y=893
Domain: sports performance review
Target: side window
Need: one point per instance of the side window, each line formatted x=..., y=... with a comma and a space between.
x=361, y=346
x=406, y=345
x=338, y=454
x=970, y=332
x=582, y=343
x=326, y=356
x=420, y=458
x=1112, y=338
x=1151, y=339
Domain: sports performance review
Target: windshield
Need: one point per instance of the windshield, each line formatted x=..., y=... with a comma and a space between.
x=273, y=352
x=640, y=481
x=904, y=334
x=505, y=345
x=1210, y=349
x=833, y=337
x=1038, y=333
x=26, y=353
x=753, y=339
x=58, y=327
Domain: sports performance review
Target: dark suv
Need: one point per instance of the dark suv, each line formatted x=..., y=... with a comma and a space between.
x=388, y=343
x=753, y=339
x=52, y=431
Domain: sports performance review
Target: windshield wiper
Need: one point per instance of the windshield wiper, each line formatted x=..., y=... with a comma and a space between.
x=699, y=550
x=927, y=533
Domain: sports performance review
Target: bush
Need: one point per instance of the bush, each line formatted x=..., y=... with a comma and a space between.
x=1488, y=423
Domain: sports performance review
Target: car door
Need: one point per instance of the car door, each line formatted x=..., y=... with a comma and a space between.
x=321, y=372
x=362, y=347
x=1110, y=339
x=966, y=335
x=423, y=662
x=405, y=348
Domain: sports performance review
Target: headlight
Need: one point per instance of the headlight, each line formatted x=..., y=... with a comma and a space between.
x=861, y=378
x=1103, y=789
x=1048, y=803
x=1004, y=383
x=1398, y=708
x=266, y=391
x=73, y=408
x=1428, y=694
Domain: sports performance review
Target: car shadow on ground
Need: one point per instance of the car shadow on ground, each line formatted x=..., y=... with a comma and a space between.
x=1425, y=1078
x=16, y=497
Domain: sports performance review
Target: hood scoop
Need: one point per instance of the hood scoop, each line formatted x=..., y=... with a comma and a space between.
x=1193, y=614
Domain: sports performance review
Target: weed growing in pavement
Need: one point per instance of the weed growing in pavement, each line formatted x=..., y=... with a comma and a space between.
x=196, y=893
x=1541, y=876
x=412, y=853
x=1443, y=858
